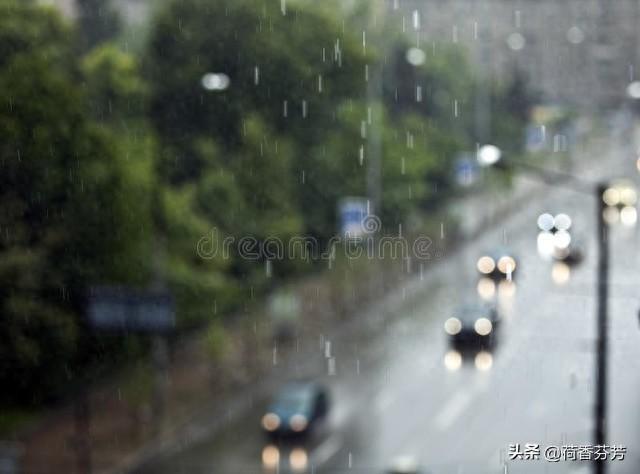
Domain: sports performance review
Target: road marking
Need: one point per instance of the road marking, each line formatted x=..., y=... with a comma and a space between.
x=453, y=410
x=326, y=450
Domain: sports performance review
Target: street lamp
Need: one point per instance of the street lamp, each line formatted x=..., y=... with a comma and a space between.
x=604, y=193
x=215, y=81
x=488, y=155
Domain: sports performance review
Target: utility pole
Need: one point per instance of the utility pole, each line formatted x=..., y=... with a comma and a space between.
x=482, y=112
x=600, y=428
x=373, y=77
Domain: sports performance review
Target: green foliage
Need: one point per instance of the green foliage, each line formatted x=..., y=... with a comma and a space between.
x=66, y=220
x=114, y=87
x=115, y=170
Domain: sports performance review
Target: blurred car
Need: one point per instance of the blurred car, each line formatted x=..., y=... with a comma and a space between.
x=572, y=254
x=498, y=264
x=296, y=409
x=405, y=465
x=473, y=324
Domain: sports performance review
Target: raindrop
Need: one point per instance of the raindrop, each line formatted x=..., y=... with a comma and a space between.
x=331, y=366
x=319, y=82
x=418, y=94
x=361, y=155
x=416, y=20
x=283, y=6
x=285, y=107
x=256, y=75
x=304, y=109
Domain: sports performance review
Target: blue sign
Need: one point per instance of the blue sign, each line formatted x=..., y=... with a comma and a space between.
x=125, y=309
x=352, y=212
x=466, y=169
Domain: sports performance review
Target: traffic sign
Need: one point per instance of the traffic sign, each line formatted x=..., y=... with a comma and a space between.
x=125, y=309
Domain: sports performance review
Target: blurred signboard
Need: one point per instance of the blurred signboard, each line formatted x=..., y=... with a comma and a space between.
x=126, y=309
x=466, y=169
x=535, y=138
x=351, y=212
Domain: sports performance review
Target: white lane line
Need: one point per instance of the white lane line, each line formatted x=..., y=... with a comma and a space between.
x=326, y=450
x=453, y=410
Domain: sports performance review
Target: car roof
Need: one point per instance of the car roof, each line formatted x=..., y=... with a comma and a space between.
x=300, y=388
x=472, y=311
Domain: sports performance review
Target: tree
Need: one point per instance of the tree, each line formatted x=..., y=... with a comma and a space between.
x=65, y=224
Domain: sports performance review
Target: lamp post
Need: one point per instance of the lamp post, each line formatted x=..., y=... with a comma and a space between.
x=490, y=155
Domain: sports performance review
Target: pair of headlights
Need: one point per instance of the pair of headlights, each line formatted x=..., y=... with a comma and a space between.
x=271, y=422
x=482, y=326
x=505, y=265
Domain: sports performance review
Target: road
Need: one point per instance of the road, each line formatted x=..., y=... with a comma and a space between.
x=394, y=395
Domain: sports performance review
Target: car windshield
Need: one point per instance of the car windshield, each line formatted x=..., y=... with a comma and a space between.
x=411, y=223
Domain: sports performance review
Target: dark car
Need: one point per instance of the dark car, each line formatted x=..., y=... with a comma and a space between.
x=296, y=409
x=473, y=324
x=498, y=264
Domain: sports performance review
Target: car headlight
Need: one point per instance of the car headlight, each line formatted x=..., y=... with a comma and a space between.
x=452, y=326
x=506, y=264
x=298, y=423
x=486, y=265
x=483, y=326
x=270, y=422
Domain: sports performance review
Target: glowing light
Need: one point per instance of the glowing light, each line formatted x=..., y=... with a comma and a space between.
x=488, y=155
x=416, y=56
x=633, y=90
x=560, y=273
x=562, y=222
x=270, y=457
x=507, y=288
x=298, y=459
x=561, y=240
x=545, y=244
x=486, y=265
x=483, y=361
x=486, y=288
x=452, y=360
x=452, y=326
x=628, y=196
x=271, y=422
x=298, y=422
x=483, y=326
x=506, y=265
x=629, y=216
x=611, y=196
x=215, y=81
x=545, y=222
